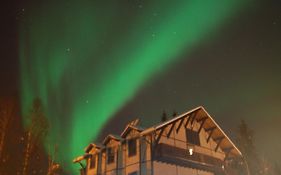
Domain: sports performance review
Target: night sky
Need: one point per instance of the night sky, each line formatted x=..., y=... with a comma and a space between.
x=98, y=64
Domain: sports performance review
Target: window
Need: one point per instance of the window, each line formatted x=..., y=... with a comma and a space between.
x=132, y=147
x=93, y=161
x=110, y=155
x=133, y=173
x=192, y=137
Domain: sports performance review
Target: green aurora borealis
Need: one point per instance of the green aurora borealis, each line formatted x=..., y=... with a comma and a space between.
x=87, y=59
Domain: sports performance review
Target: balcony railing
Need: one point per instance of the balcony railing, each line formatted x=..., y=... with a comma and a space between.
x=179, y=156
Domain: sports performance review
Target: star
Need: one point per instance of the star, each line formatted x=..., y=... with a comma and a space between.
x=68, y=49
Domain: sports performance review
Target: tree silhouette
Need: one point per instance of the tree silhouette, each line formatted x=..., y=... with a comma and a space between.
x=164, y=116
x=7, y=112
x=175, y=113
x=36, y=132
x=277, y=170
x=245, y=141
x=53, y=167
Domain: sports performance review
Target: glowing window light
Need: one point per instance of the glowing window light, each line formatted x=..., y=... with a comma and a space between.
x=190, y=150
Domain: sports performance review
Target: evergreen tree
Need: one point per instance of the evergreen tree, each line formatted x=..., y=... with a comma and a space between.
x=175, y=113
x=245, y=141
x=277, y=170
x=7, y=116
x=164, y=116
x=35, y=133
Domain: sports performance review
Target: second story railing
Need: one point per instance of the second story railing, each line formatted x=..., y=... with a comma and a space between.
x=179, y=156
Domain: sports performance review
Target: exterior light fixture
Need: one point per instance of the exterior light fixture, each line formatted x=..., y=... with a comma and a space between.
x=190, y=150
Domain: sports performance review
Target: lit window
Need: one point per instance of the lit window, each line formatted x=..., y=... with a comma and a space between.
x=192, y=137
x=132, y=147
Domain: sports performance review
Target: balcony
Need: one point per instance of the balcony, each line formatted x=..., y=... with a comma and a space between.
x=178, y=156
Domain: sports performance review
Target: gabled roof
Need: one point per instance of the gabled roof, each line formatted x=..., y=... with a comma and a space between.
x=87, y=154
x=92, y=145
x=80, y=158
x=200, y=114
x=130, y=127
x=110, y=137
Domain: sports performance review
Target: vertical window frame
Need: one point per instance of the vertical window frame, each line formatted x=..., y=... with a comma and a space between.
x=192, y=137
x=93, y=162
x=110, y=155
x=132, y=147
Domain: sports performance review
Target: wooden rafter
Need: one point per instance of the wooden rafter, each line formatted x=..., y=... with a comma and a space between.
x=228, y=149
x=210, y=129
x=186, y=123
x=202, y=119
x=192, y=121
x=210, y=135
x=227, y=152
x=159, y=136
x=193, y=118
x=218, y=140
x=202, y=123
x=171, y=129
x=181, y=122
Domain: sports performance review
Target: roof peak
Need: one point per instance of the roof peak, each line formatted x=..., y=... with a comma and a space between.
x=199, y=114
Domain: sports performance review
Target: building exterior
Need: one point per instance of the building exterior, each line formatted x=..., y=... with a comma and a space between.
x=188, y=144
